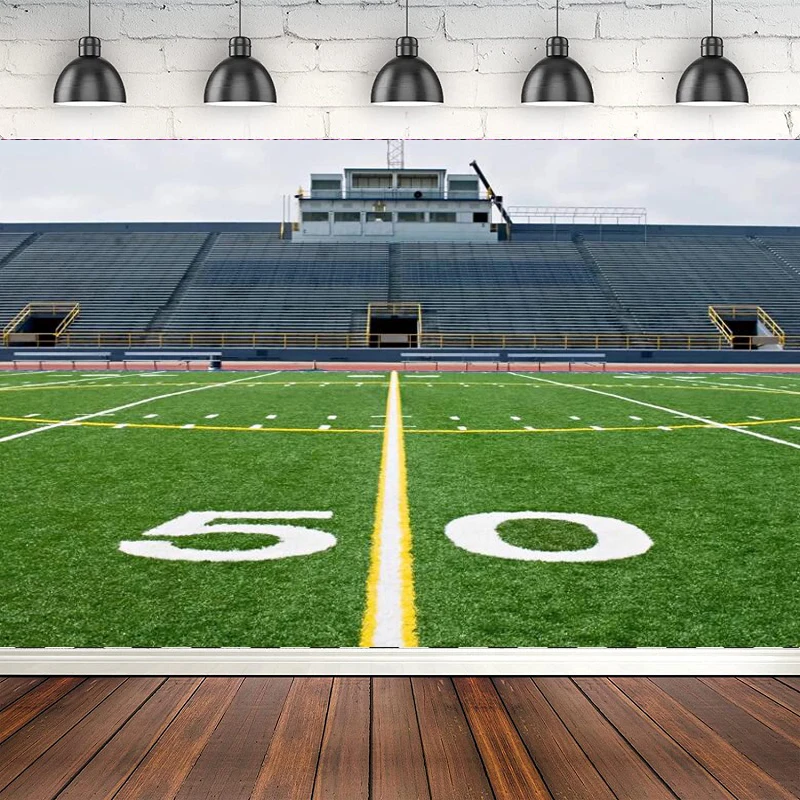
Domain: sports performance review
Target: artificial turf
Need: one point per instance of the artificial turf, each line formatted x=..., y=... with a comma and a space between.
x=720, y=507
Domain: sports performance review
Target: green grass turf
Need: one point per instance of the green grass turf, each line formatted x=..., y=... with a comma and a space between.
x=72, y=494
x=721, y=508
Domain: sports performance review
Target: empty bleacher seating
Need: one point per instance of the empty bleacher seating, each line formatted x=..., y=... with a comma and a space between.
x=120, y=279
x=668, y=282
x=204, y=278
x=504, y=287
x=249, y=282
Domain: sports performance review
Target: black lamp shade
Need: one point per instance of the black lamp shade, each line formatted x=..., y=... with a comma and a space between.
x=712, y=80
x=557, y=79
x=240, y=80
x=89, y=80
x=407, y=80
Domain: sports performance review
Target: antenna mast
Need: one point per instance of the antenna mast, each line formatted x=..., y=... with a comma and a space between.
x=395, y=154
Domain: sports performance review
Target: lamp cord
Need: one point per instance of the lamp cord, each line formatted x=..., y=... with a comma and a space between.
x=90, y=17
x=406, y=18
x=240, y=18
x=557, y=4
x=712, y=17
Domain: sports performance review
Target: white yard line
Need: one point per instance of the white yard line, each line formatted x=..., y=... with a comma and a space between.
x=390, y=618
x=109, y=411
x=11, y=387
x=683, y=414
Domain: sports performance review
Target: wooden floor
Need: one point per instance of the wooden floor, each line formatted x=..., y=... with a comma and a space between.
x=400, y=738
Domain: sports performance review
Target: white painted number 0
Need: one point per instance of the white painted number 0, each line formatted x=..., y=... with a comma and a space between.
x=478, y=533
x=293, y=540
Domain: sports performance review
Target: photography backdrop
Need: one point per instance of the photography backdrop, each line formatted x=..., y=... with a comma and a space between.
x=323, y=57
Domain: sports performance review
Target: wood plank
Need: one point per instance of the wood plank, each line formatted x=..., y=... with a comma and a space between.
x=454, y=766
x=777, y=691
x=110, y=768
x=55, y=768
x=11, y=689
x=792, y=683
x=229, y=764
x=566, y=770
x=508, y=764
x=343, y=770
x=628, y=775
x=296, y=741
x=398, y=766
x=669, y=760
x=165, y=767
x=19, y=751
x=33, y=703
x=769, y=750
x=766, y=711
x=736, y=772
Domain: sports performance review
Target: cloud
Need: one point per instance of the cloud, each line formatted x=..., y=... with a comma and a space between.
x=702, y=182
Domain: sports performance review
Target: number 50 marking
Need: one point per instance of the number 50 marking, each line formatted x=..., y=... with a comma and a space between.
x=476, y=533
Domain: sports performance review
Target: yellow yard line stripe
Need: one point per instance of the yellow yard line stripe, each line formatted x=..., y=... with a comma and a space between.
x=370, y=619
x=157, y=426
x=415, y=432
x=390, y=555
x=745, y=424
x=408, y=599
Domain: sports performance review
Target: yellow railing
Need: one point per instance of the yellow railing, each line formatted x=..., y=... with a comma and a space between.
x=717, y=314
x=545, y=341
x=70, y=310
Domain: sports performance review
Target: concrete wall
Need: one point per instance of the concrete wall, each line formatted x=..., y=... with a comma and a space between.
x=324, y=55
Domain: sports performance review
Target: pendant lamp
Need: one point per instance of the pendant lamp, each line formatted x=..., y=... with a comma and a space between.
x=240, y=80
x=89, y=80
x=712, y=80
x=407, y=80
x=557, y=80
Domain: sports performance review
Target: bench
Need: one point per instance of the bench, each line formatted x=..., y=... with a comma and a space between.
x=73, y=356
x=186, y=357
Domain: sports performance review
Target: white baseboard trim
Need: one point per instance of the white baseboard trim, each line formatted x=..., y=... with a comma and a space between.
x=413, y=661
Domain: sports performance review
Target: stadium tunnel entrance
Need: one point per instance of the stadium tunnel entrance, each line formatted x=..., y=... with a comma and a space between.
x=394, y=324
x=39, y=324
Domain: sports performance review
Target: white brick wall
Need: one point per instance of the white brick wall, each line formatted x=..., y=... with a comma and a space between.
x=323, y=57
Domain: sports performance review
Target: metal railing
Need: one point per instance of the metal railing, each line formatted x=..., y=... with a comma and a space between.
x=718, y=313
x=69, y=309
x=258, y=340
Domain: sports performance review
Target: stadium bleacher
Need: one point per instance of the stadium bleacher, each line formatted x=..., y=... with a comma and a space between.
x=256, y=282
x=229, y=278
x=120, y=279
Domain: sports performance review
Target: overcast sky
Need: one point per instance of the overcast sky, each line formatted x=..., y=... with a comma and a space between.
x=717, y=182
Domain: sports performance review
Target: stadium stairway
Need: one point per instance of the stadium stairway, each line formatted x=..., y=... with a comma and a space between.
x=626, y=318
x=11, y=245
x=785, y=253
x=161, y=318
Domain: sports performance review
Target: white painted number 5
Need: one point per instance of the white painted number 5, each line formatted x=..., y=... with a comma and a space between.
x=478, y=533
x=293, y=540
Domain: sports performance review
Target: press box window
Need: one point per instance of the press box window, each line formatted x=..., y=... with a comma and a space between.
x=411, y=216
x=379, y=216
x=372, y=181
x=347, y=216
x=315, y=216
x=320, y=184
x=443, y=216
x=418, y=181
x=464, y=186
